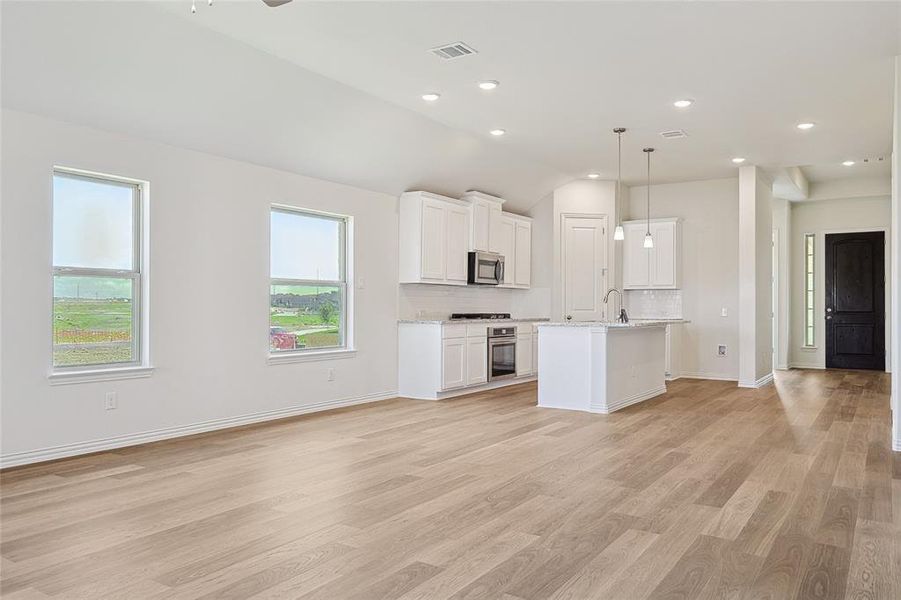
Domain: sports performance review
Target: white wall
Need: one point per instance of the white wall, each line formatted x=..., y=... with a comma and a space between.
x=709, y=210
x=209, y=231
x=821, y=217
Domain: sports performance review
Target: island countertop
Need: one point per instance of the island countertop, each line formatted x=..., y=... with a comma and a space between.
x=636, y=324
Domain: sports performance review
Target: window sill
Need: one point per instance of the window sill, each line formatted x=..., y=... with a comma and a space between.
x=809, y=348
x=89, y=376
x=311, y=355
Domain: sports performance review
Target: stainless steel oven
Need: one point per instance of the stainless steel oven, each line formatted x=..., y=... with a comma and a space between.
x=501, y=352
x=485, y=268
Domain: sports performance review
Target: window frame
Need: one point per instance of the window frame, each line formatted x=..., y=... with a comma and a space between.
x=345, y=267
x=809, y=282
x=139, y=366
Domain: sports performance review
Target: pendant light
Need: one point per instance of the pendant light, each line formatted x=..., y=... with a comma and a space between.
x=648, y=240
x=618, y=233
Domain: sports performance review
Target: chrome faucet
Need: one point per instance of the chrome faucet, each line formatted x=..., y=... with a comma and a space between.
x=623, y=316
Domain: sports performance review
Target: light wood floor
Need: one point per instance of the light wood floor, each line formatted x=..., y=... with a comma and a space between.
x=707, y=492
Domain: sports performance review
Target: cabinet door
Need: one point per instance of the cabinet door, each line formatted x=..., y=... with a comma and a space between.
x=494, y=223
x=476, y=360
x=523, y=354
x=481, y=227
x=434, y=240
x=663, y=255
x=636, y=258
x=457, y=243
x=453, y=367
x=523, y=249
x=506, y=240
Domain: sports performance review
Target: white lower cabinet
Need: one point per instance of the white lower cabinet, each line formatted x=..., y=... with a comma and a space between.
x=435, y=359
x=524, y=355
x=476, y=360
x=453, y=364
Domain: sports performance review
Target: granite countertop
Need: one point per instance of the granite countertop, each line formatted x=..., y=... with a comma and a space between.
x=473, y=321
x=669, y=321
x=634, y=324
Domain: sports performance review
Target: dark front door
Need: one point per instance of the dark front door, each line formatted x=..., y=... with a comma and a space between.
x=855, y=300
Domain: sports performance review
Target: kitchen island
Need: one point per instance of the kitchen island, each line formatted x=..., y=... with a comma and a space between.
x=600, y=367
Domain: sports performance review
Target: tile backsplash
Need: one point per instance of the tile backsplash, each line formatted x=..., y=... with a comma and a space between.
x=654, y=304
x=421, y=301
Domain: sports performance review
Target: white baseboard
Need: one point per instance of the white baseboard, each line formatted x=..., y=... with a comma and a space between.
x=713, y=376
x=472, y=389
x=805, y=366
x=762, y=381
x=27, y=457
x=609, y=408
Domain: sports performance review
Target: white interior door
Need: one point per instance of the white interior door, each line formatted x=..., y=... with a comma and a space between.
x=584, y=266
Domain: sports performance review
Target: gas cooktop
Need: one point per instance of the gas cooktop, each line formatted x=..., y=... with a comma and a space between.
x=492, y=316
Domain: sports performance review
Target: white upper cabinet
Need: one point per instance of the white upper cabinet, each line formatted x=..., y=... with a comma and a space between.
x=457, y=245
x=485, y=210
x=437, y=233
x=434, y=239
x=512, y=235
x=636, y=259
x=523, y=264
x=505, y=234
x=659, y=267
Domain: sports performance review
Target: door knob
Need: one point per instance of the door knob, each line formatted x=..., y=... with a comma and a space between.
x=828, y=317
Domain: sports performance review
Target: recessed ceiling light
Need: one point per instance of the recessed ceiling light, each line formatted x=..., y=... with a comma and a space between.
x=488, y=84
x=683, y=103
x=805, y=126
x=848, y=163
x=738, y=160
x=498, y=132
x=593, y=175
x=431, y=97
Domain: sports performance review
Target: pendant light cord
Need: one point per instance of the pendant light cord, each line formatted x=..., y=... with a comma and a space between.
x=619, y=131
x=619, y=174
x=648, y=189
x=648, y=152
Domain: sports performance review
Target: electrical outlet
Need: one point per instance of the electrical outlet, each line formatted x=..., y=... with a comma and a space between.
x=111, y=401
x=724, y=312
x=721, y=350
x=331, y=374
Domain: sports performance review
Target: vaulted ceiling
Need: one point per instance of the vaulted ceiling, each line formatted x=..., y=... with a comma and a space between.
x=333, y=89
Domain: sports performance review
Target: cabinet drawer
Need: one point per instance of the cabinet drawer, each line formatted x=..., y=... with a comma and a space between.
x=477, y=330
x=453, y=331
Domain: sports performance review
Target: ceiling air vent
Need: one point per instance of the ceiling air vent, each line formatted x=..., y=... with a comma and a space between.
x=673, y=134
x=455, y=50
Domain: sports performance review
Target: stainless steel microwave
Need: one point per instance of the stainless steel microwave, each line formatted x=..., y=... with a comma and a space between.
x=485, y=268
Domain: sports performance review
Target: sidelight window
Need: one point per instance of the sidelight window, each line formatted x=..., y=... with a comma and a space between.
x=809, y=328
